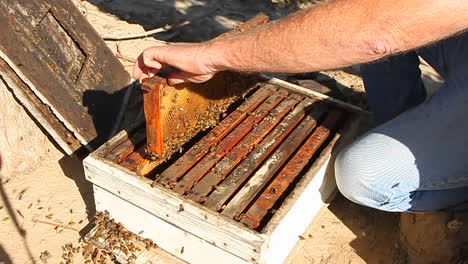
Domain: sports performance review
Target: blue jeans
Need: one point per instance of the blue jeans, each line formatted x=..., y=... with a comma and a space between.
x=417, y=159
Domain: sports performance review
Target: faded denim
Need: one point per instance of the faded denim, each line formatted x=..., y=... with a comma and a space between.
x=417, y=159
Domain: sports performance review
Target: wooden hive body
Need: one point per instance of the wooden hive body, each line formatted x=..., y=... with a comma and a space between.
x=197, y=234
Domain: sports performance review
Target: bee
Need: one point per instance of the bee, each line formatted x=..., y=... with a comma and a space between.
x=20, y=195
x=181, y=207
x=182, y=249
x=20, y=214
x=49, y=216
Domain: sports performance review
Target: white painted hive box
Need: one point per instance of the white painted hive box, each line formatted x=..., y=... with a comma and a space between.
x=195, y=232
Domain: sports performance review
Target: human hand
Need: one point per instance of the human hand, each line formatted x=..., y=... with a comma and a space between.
x=189, y=61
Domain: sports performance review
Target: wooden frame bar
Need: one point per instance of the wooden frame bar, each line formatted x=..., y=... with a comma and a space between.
x=228, y=143
x=193, y=155
x=223, y=167
x=255, y=214
x=248, y=192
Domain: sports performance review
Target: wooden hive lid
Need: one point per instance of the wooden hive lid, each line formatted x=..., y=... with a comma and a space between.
x=61, y=70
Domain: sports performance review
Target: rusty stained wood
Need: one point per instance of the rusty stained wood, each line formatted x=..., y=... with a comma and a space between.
x=194, y=154
x=139, y=162
x=72, y=70
x=132, y=161
x=119, y=153
x=260, y=207
x=223, y=167
x=238, y=176
x=152, y=107
x=197, y=172
x=244, y=196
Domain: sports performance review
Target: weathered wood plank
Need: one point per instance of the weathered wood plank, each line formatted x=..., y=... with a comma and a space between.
x=237, y=177
x=223, y=167
x=119, y=153
x=242, y=198
x=38, y=110
x=257, y=211
x=131, y=161
x=72, y=69
x=228, y=143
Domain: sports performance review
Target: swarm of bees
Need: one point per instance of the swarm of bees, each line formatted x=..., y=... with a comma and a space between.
x=203, y=121
x=108, y=240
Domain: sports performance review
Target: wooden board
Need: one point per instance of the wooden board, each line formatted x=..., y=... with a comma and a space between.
x=65, y=64
x=37, y=109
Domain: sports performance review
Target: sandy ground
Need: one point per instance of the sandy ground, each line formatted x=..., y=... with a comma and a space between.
x=51, y=206
x=43, y=210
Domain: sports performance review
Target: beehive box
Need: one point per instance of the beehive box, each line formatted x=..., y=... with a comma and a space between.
x=243, y=191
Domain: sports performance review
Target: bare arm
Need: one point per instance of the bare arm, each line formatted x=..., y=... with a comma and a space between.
x=337, y=34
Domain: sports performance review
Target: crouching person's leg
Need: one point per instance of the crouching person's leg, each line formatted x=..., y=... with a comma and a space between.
x=381, y=172
x=416, y=162
x=377, y=171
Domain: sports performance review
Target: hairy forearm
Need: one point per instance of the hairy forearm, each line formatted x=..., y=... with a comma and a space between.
x=337, y=34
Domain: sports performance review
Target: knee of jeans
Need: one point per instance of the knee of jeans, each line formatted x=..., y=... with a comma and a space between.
x=358, y=178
